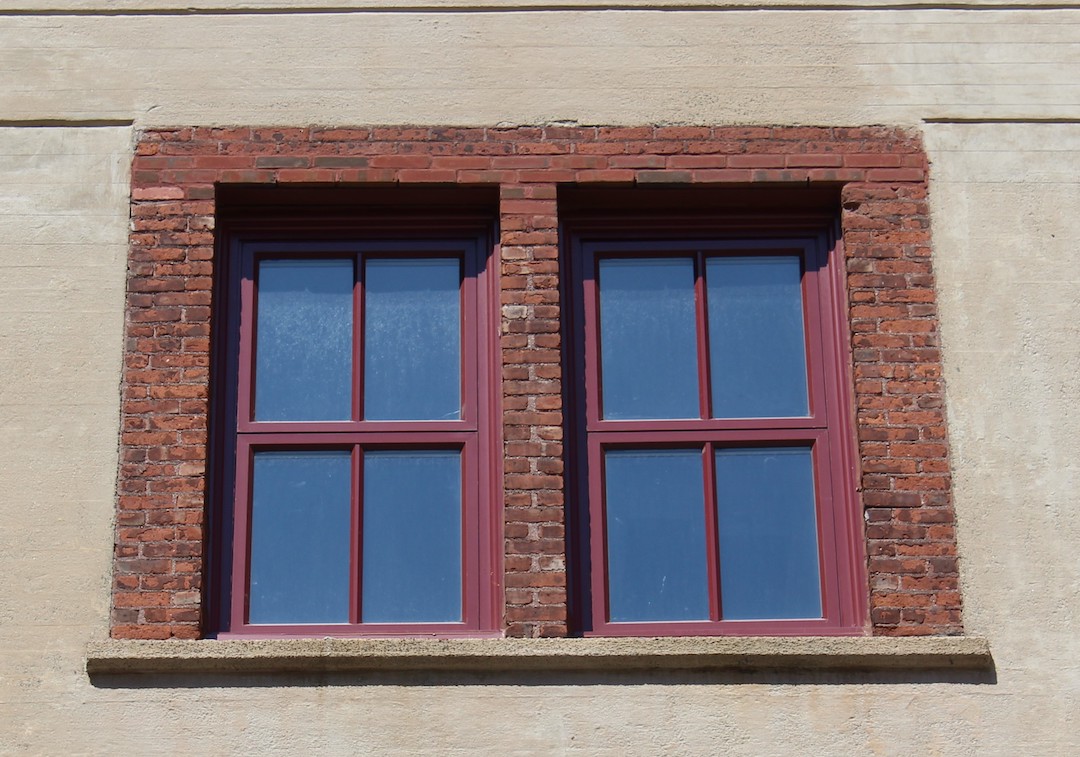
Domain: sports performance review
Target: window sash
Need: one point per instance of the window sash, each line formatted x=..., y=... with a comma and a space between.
x=472, y=433
x=823, y=428
x=468, y=250
x=814, y=254
x=472, y=546
x=830, y=576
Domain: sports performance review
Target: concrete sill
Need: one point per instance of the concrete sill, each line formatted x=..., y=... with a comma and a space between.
x=480, y=655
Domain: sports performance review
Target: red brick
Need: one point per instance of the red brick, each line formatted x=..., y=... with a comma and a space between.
x=756, y=161
x=895, y=174
x=429, y=175
x=622, y=175
x=622, y=134
x=157, y=193
x=814, y=161
x=708, y=175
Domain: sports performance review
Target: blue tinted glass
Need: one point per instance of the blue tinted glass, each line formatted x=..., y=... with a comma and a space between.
x=757, y=348
x=768, y=534
x=303, y=351
x=655, y=513
x=412, y=339
x=647, y=338
x=300, y=516
x=412, y=537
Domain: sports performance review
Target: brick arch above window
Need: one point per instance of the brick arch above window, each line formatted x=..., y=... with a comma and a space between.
x=180, y=177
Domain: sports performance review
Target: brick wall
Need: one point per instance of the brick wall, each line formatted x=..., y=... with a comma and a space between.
x=159, y=563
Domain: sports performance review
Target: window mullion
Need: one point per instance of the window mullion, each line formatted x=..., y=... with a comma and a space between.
x=598, y=577
x=701, y=318
x=712, y=534
x=358, y=338
x=356, y=561
x=246, y=347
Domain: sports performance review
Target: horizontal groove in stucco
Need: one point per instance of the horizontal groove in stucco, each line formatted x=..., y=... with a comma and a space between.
x=180, y=7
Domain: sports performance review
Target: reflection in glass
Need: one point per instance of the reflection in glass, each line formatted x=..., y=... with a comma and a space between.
x=647, y=338
x=757, y=345
x=769, y=565
x=412, y=339
x=655, y=519
x=300, y=517
x=303, y=350
x=412, y=537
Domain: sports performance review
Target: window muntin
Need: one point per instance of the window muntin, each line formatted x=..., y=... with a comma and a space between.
x=407, y=531
x=756, y=426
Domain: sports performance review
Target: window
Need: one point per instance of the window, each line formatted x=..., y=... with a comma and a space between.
x=713, y=431
x=360, y=498
x=176, y=489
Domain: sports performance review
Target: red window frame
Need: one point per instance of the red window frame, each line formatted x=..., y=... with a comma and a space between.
x=238, y=435
x=828, y=428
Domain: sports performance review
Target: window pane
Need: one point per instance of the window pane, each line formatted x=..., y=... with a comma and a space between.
x=412, y=537
x=300, y=517
x=303, y=352
x=655, y=513
x=768, y=533
x=412, y=339
x=647, y=339
x=757, y=347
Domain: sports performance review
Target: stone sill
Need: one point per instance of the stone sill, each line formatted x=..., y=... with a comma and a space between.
x=517, y=655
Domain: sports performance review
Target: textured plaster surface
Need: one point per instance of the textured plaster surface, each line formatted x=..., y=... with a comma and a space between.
x=602, y=67
x=63, y=250
x=1007, y=251
x=151, y=6
x=1004, y=200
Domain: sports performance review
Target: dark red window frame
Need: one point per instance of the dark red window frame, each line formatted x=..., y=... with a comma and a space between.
x=237, y=434
x=828, y=427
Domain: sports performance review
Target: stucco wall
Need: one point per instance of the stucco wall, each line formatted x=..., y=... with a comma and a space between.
x=1004, y=198
x=484, y=67
x=1008, y=266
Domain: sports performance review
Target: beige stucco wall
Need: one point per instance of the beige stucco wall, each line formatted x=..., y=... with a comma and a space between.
x=1005, y=198
x=486, y=67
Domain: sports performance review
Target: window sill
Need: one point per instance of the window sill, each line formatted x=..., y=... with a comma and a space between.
x=608, y=654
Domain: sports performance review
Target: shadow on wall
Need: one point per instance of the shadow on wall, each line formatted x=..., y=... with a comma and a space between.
x=539, y=678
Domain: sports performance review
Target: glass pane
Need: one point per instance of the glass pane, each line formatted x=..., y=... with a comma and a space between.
x=303, y=351
x=655, y=512
x=412, y=537
x=757, y=347
x=412, y=339
x=768, y=534
x=300, y=518
x=647, y=339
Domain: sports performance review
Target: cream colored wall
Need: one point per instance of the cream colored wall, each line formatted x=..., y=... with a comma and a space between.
x=483, y=68
x=1005, y=199
x=63, y=229
x=114, y=7
x=1007, y=253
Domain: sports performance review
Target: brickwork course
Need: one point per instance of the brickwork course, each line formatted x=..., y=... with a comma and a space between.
x=160, y=571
